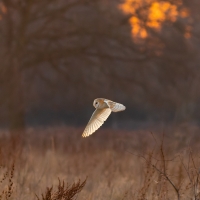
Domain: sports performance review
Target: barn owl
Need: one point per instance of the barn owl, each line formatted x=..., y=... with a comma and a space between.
x=104, y=107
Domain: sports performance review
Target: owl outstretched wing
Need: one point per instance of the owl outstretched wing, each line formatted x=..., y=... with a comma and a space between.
x=115, y=107
x=98, y=118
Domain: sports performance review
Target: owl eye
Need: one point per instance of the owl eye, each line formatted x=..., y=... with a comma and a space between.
x=96, y=103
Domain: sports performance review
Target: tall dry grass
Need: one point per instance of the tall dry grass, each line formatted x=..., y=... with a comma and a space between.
x=134, y=165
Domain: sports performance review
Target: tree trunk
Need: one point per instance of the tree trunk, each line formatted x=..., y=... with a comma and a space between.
x=16, y=106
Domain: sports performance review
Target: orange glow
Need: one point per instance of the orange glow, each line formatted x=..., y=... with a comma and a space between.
x=127, y=7
x=184, y=13
x=154, y=16
x=3, y=8
x=159, y=12
x=187, y=35
x=188, y=32
x=137, y=30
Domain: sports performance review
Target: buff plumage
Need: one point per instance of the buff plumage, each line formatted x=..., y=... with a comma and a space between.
x=104, y=107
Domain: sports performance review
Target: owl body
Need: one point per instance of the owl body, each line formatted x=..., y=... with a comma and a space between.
x=104, y=107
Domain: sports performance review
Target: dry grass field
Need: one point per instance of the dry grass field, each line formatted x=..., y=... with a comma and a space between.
x=116, y=165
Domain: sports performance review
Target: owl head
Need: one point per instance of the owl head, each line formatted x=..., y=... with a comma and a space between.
x=96, y=103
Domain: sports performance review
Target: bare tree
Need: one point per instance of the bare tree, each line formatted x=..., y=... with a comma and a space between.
x=80, y=45
x=50, y=39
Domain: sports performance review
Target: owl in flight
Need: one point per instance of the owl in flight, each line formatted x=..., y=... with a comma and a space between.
x=104, y=107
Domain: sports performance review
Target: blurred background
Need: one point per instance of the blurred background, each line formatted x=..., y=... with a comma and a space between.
x=57, y=56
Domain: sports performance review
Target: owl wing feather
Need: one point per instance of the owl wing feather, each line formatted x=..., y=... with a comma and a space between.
x=115, y=107
x=98, y=118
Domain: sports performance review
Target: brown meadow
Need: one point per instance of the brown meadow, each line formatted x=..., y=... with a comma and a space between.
x=56, y=163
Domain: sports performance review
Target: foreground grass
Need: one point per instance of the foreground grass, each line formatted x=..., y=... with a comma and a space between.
x=118, y=164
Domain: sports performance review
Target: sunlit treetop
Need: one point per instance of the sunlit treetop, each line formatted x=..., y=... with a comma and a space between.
x=151, y=15
x=159, y=12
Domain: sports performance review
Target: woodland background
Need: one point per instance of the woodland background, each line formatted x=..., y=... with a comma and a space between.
x=57, y=56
